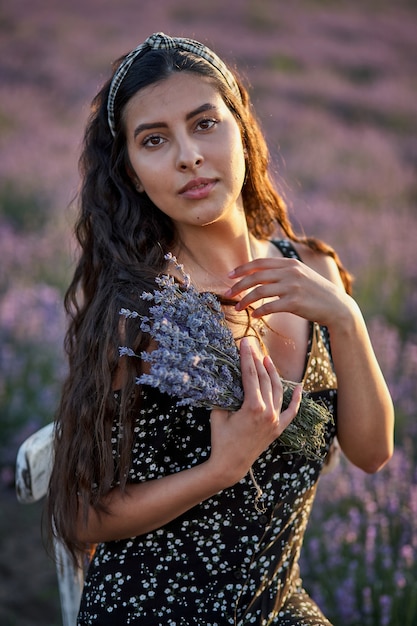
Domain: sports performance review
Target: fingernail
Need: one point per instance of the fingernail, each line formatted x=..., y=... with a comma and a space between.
x=244, y=342
x=228, y=293
x=231, y=274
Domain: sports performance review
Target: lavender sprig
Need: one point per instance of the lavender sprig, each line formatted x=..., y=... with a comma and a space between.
x=196, y=358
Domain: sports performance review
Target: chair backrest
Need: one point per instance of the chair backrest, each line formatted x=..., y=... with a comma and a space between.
x=33, y=469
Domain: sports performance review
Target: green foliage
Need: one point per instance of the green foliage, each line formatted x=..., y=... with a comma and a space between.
x=382, y=290
x=261, y=17
x=23, y=209
x=360, y=74
x=31, y=378
x=286, y=64
x=32, y=363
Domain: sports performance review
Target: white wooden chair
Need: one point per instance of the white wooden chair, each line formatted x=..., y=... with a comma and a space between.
x=33, y=469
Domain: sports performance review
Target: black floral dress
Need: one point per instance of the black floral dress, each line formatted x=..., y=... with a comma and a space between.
x=221, y=562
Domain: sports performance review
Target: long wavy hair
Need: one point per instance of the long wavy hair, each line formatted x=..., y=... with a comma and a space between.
x=123, y=237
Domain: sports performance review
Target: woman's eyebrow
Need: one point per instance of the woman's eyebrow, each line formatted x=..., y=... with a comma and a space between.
x=201, y=109
x=151, y=125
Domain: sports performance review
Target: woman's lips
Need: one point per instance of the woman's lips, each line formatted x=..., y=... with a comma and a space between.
x=198, y=188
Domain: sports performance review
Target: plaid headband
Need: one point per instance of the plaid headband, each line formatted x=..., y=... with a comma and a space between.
x=160, y=41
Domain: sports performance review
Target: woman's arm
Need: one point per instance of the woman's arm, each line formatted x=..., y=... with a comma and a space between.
x=314, y=291
x=237, y=439
x=143, y=507
x=365, y=425
x=365, y=410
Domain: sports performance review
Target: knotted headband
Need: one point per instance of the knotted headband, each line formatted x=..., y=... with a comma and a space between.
x=160, y=41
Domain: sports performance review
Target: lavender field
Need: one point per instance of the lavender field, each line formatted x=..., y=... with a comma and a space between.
x=335, y=87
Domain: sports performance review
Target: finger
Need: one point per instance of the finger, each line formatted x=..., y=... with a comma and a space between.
x=261, y=292
x=276, y=383
x=255, y=378
x=247, y=365
x=264, y=377
x=257, y=265
x=252, y=280
x=278, y=304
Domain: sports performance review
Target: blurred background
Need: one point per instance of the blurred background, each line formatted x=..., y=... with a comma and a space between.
x=334, y=84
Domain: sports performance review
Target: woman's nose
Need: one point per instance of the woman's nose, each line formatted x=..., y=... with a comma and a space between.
x=189, y=156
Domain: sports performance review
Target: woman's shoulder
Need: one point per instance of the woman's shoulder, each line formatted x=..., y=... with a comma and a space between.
x=319, y=261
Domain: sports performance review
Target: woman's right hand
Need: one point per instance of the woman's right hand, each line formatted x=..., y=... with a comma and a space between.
x=238, y=438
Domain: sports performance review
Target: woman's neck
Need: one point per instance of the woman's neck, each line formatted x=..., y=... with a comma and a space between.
x=209, y=260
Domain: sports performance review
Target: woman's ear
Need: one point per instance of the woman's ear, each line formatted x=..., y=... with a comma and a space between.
x=138, y=185
x=135, y=180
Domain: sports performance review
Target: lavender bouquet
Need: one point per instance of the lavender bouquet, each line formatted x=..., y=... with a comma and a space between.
x=197, y=360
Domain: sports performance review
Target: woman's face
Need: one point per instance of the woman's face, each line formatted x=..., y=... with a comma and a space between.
x=185, y=149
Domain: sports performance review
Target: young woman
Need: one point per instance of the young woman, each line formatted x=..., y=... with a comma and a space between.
x=174, y=161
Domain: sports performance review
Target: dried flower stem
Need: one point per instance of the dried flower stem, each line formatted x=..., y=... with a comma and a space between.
x=260, y=508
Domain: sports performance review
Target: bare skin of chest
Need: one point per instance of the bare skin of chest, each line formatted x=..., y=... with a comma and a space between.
x=285, y=338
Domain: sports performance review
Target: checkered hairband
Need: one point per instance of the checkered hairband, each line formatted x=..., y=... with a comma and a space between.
x=159, y=41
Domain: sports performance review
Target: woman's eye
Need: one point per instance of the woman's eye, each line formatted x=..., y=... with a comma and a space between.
x=206, y=124
x=153, y=141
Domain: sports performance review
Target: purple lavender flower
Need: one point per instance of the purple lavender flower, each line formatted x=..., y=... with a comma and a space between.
x=196, y=359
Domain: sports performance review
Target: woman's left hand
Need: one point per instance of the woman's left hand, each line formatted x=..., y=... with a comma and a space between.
x=287, y=285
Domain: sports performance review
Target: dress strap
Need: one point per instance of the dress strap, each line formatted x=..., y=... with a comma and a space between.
x=286, y=248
